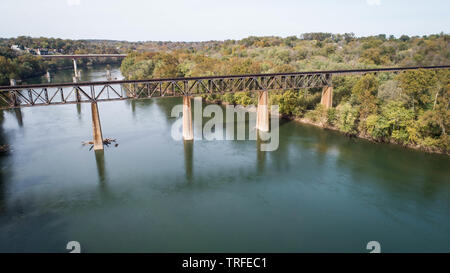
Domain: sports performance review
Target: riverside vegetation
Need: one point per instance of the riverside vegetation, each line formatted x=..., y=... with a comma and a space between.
x=19, y=65
x=410, y=108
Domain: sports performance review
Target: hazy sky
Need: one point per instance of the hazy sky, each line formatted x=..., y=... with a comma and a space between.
x=199, y=20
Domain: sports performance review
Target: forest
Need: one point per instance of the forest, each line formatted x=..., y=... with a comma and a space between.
x=410, y=108
x=22, y=65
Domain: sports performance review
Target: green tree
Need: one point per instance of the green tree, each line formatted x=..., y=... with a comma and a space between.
x=364, y=94
x=347, y=116
x=419, y=86
x=288, y=103
x=377, y=127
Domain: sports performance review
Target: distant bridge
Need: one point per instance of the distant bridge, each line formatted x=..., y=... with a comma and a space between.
x=81, y=92
x=83, y=56
x=74, y=58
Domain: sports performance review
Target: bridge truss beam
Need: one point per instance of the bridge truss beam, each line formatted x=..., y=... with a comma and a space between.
x=79, y=92
x=22, y=96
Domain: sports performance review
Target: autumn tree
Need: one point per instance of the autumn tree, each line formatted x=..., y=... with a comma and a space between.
x=419, y=85
x=364, y=93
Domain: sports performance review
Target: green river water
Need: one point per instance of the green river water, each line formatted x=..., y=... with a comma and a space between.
x=320, y=191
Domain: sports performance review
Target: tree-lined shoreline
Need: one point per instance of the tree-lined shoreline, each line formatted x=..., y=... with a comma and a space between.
x=409, y=108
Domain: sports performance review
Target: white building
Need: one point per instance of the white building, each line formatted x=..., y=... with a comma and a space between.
x=16, y=48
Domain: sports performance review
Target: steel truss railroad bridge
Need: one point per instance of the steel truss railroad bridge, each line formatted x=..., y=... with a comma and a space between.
x=17, y=96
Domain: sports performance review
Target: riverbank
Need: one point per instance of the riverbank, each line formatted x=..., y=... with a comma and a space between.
x=324, y=125
x=363, y=136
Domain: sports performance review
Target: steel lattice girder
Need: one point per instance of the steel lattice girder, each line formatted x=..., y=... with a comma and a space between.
x=19, y=97
x=48, y=94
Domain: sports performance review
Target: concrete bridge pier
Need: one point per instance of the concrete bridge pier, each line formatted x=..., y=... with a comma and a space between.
x=12, y=95
x=260, y=155
x=327, y=97
x=77, y=92
x=262, y=114
x=15, y=99
x=49, y=77
x=188, y=132
x=97, y=128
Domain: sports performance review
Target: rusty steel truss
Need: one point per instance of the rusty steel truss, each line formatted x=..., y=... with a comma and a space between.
x=65, y=93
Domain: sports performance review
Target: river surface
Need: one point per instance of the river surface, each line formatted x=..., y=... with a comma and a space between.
x=90, y=73
x=319, y=191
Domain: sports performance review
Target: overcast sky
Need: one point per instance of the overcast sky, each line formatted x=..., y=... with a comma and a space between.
x=200, y=20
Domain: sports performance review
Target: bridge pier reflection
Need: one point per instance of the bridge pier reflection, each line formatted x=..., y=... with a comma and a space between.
x=19, y=117
x=133, y=107
x=260, y=155
x=100, y=160
x=188, y=159
x=79, y=110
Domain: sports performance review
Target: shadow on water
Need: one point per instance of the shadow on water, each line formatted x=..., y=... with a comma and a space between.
x=133, y=107
x=166, y=105
x=283, y=162
x=398, y=171
x=395, y=170
x=79, y=111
